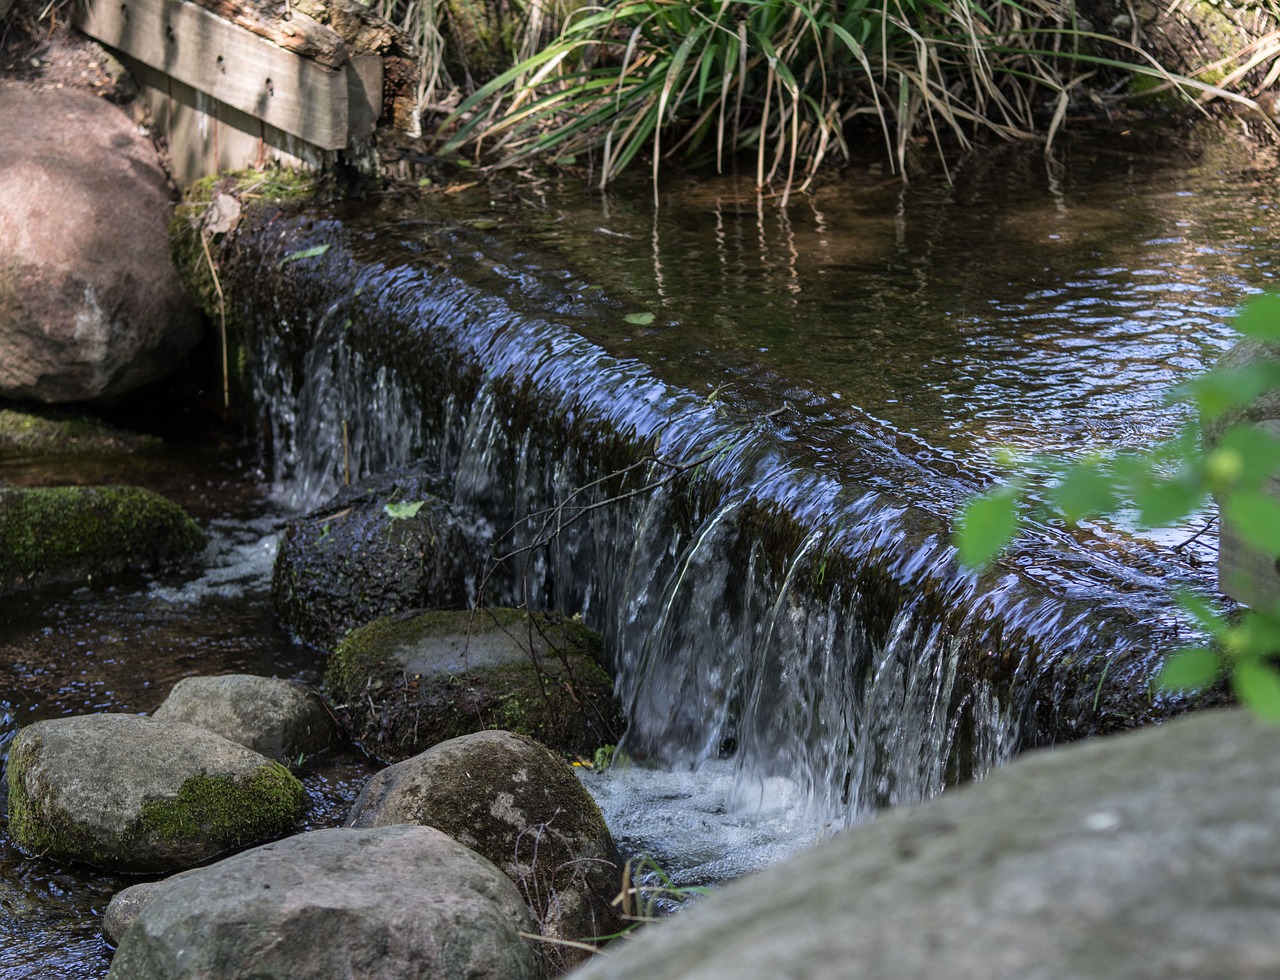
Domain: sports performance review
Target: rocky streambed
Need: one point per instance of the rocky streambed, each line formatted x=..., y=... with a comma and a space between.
x=165, y=722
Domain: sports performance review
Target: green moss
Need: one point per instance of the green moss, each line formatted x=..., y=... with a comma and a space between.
x=228, y=811
x=54, y=434
x=71, y=533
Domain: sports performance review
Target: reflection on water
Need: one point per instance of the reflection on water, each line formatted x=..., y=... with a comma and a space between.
x=1047, y=305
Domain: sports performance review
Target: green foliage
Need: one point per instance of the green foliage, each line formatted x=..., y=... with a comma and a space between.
x=782, y=78
x=1165, y=486
x=404, y=510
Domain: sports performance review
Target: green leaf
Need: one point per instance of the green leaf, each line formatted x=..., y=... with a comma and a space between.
x=403, y=510
x=1260, y=317
x=1084, y=490
x=1258, y=685
x=1255, y=514
x=986, y=525
x=1258, y=635
x=1168, y=501
x=1257, y=453
x=1218, y=391
x=306, y=253
x=1190, y=670
x=1206, y=617
x=639, y=319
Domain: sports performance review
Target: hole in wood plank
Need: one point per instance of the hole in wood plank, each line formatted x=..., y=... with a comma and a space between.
x=271, y=89
x=168, y=32
x=124, y=11
x=222, y=64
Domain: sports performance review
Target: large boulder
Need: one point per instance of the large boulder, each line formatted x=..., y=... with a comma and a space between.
x=67, y=534
x=403, y=683
x=281, y=720
x=1143, y=855
x=135, y=794
x=508, y=798
x=382, y=545
x=395, y=902
x=90, y=307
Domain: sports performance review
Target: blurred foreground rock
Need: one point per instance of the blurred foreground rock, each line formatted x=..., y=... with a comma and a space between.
x=1144, y=855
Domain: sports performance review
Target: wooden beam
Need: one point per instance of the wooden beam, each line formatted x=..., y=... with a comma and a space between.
x=234, y=66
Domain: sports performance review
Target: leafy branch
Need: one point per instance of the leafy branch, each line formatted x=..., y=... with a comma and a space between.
x=1228, y=452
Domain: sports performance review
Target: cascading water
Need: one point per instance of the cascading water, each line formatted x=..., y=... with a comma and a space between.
x=786, y=613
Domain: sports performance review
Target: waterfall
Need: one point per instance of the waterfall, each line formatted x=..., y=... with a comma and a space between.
x=804, y=621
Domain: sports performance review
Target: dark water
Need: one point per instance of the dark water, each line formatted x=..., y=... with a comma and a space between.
x=1035, y=304
x=1042, y=304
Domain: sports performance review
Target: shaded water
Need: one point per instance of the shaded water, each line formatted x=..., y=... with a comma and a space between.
x=816, y=391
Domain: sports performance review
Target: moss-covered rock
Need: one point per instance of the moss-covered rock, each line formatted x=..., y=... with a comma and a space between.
x=512, y=801
x=24, y=434
x=381, y=546
x=404, y=683
x=135, y=794
x=66, y=534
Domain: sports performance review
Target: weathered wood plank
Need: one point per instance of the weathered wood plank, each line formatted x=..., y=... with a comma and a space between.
x=205, y=136
x=229, y=63
x=297, y=32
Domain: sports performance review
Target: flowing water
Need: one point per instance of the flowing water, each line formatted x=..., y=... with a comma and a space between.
x=730, y=435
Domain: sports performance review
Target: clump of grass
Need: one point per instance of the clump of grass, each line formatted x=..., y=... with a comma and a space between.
x=783, y=79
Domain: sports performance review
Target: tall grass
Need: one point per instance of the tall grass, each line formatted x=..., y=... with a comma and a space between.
x=785, y=81
x=782, y=79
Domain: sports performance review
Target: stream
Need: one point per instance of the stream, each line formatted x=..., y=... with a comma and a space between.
x=792, y=644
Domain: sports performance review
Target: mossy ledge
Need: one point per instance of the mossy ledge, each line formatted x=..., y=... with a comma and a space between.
x=67, y=534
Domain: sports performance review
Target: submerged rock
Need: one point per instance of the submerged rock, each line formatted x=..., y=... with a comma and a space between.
x=135, y=794
x=393, y=902
x=65, y=534
x=1146, y=854
x=403, y=683
x=279, y=719
x=81, y=317
x=355, y=560
x=511, y=800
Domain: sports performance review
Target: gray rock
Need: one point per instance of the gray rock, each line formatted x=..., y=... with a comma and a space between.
x=1144, y=855
x=351, y=562
x=125, y=906
x=135, y=794
x=404, y=683
x=395, y=902
x=90, y=306
x=279, y=719
x=55, y=433
x=1266, y=406
x=508, y=798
